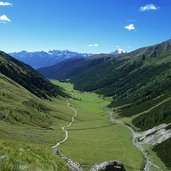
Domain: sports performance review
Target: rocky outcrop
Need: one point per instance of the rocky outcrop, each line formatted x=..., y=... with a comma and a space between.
x=108, y=166
x=74, y=166
x=156, y=135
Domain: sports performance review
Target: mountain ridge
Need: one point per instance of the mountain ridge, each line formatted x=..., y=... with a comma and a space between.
x=40, y=59
x=26, y=76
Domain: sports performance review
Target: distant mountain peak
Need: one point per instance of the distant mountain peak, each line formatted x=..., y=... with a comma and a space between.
x=39, y=59
x=118, y=51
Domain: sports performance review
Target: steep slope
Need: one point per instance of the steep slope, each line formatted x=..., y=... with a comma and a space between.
x=62, y=69
x=23, y=96
x=163, y=150
x=44, y=59
x=73, y=67
x=29, y=157
x=29, y=125
x=27, y=77
x=19, y=106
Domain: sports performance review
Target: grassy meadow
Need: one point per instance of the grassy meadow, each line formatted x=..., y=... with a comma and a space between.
x=30, y=122
x=93, y=138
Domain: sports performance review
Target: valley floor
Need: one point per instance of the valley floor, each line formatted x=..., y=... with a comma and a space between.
x=93, y=138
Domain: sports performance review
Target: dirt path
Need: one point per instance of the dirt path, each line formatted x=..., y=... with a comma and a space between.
x=64, y=127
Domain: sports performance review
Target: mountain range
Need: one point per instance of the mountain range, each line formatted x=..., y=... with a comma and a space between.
x=42, y=59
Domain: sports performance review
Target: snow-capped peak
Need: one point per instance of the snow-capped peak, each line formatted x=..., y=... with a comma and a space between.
x=118, y=51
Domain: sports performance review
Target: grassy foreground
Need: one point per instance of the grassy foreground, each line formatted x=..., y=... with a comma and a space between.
x=18, y=156
x=29, y=126
x=93, y=138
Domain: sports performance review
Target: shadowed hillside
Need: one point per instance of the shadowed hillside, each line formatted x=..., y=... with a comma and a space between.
x=27, y=77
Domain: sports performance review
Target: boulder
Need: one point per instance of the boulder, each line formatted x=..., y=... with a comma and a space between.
x=108, y=166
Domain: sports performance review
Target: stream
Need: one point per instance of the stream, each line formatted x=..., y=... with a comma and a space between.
x=138, y=145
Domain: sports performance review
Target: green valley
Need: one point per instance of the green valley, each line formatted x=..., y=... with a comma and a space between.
x=93, y=138
x=31, y=125
x=36, y=113
x=137, y=82
x=36, y=123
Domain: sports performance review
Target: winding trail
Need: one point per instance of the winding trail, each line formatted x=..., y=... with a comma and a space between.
x=64, y=127
x=139, y=146
x=72, y=165
x=135, y=141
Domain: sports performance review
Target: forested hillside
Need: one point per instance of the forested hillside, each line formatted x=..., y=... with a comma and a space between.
x=140, y=80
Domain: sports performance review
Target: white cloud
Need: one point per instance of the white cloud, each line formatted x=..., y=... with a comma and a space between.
x=4, y=18
x=96, y=45
x=148, y=7
x=5, y=3
x=93, y=45
x=130, y=27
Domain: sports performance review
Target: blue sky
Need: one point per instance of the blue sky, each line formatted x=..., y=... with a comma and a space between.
x=83, y=25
